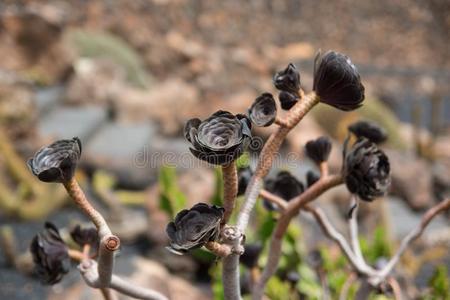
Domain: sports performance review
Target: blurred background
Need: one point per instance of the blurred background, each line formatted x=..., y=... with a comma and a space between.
x=124, y=76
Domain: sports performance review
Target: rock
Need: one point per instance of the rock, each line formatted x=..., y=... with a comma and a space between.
x=97, y=81
x=411, y=179
x=67, y=122
x=48, y=97
x=122, y=148
x=441, y=177
x=403, y=219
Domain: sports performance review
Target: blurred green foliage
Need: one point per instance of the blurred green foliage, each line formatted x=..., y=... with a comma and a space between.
x=439, y=284
x=171, y=199
x=106, y=45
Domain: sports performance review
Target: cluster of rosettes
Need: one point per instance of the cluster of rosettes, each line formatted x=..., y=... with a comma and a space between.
x=193, y=228
x=366, y=167
x=223, y=137
x=50, y=252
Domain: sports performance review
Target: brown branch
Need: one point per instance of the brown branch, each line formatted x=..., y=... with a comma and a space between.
x=230, y=183
x=221, y=250
x=411, y=237
x=278, y=201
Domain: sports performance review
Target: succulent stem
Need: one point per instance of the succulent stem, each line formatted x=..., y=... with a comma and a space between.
x=230, y=182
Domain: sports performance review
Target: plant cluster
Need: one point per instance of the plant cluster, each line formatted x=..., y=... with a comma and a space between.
x=220, y=140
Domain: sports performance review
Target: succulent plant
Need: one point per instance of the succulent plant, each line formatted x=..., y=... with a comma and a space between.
x=337, y=81
x=193, y=228
x=369, y=130
x=319, y=149
x=288, y=80
x=311, y=178
x=284, y=185
x=56, y=162
x=50, y=255
x=220, y=139
x=263, y=110
x=367, y=170
x=287, y=100
x=244, y=177
x=85, y=236
x=251, y=255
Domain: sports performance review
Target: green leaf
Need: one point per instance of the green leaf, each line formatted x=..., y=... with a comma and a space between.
x=172, y=200
x=217, y=197
x=440, y=284
x=277, y=289
x=243, y=161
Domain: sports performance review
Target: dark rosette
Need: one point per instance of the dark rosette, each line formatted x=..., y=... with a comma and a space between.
x=311, y=178
x=288, y=80
x=287, y=100
x=263, y=110
x=85, y=236
x=251, y=255
x=284, y=185
x=337, y=81
x=219, y=139
x=367, y=170
x=292, y=277
x=56, y=162
x=319, y=149
x=244, y=177
x=369, y=130
x=193, y=228
x=50, y=255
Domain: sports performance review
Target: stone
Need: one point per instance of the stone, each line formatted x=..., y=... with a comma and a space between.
x=411, y=179
x=123, y=149
x=403, y=219
x=47, y=97
x=67, y=122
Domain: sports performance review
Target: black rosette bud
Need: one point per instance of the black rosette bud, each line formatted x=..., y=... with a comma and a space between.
x=367, y=170
x=193, y=228
x=311, y=178
x=50, y=255
x=292, y=277
x=85, y=236
x=263, y=110
x=244, y=177
x=251, y=255
x=369, y=130
x=56, y=162
x=287, y=100
x=288, y=80
x=285, y=186
x=319, y=149
x=337, y=81
x=220, y=139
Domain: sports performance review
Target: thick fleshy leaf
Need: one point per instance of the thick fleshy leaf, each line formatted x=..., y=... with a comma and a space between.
x=369, y=130
x=194, y=227
x=56, y=162
x=337, y=81
x=263, y=110
x=288, y=80
x=319, y=149
x=367, y=170
x=285, y=186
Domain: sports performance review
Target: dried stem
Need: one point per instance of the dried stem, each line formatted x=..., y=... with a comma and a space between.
x=230, y=182
x=89, y=271
x=278, y=201
x=412, y=236
x=292, y=209
x=281, y=122
x=353, y=225
x=108, y=242
x=396, y=289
